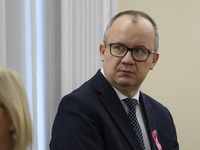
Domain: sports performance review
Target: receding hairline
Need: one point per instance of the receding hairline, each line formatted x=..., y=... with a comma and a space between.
x=134, y=16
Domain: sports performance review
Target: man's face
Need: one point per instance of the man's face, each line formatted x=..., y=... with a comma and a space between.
x=126, y=74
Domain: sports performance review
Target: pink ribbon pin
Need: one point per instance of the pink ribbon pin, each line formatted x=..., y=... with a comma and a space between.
x=154, y=134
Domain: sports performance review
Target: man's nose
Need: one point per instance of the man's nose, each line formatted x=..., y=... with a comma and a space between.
x=128, y=58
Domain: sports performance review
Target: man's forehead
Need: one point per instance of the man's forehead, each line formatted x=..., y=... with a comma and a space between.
x=128, y=21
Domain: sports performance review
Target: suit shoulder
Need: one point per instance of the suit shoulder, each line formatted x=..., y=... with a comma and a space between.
x=158, y=108
x=82, y=93
x=86, y=94
x=152, y=101
x=91, y=89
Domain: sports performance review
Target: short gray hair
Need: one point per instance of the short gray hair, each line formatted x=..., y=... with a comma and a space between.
x=135, y=15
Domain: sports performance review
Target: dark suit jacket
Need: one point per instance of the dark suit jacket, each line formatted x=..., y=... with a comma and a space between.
x=93, y=118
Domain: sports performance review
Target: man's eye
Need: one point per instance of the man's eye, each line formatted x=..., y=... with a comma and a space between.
x=140, y=51
x=118, y=47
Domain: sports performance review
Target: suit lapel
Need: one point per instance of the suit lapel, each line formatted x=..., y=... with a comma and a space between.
x=113, y=105
x=116, y=110
x=149, y=118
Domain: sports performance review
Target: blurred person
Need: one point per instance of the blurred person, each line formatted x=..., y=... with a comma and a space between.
x=15, y=121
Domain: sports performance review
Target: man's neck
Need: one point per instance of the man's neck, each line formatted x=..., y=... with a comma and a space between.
x=127, y=91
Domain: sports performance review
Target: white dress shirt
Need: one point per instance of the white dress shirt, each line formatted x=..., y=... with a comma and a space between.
x=139, y=114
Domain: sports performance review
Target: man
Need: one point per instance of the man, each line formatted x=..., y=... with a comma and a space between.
x=98, y=115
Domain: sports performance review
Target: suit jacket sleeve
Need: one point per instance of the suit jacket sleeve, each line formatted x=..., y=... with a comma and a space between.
x=76, y=126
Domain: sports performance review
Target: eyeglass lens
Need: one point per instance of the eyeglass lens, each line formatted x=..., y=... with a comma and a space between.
x=137, y=53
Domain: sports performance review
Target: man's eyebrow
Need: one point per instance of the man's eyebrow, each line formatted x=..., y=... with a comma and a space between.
x=140, y=46
x=120, y=43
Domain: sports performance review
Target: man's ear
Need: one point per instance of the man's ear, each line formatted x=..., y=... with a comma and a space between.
x=155, y=59
x=102, y=51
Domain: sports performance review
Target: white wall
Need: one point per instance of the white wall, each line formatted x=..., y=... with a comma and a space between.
x=175, y=81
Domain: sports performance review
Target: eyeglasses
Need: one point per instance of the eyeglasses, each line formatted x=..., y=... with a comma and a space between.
x=120, y=50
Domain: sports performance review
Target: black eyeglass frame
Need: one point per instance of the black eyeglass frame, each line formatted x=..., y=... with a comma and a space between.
x=130, y=49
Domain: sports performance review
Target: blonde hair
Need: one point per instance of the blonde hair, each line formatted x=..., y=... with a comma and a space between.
x=14, y=99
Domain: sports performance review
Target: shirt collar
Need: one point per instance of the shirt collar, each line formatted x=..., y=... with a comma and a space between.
x=120, y=95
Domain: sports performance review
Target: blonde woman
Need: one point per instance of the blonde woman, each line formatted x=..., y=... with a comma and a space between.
x=15, y=122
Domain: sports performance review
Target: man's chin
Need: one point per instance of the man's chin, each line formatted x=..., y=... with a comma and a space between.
x=126, y=83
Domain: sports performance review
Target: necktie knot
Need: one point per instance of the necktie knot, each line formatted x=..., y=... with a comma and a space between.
x=131, y=103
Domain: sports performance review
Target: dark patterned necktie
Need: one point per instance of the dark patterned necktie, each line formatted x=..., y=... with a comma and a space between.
x=131, y=103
